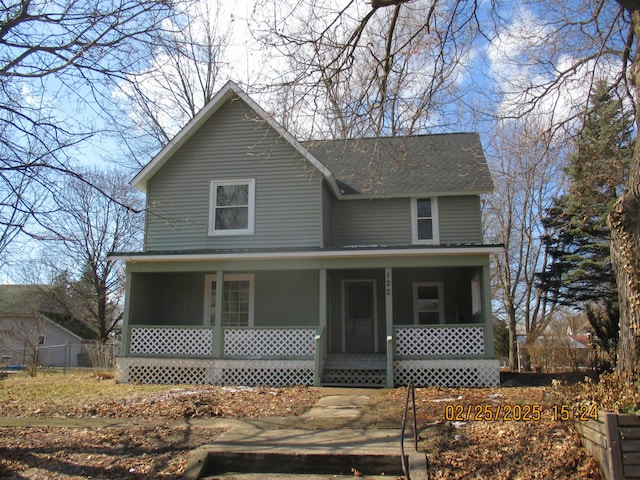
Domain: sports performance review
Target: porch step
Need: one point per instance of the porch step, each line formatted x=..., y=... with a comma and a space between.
x=355, y=370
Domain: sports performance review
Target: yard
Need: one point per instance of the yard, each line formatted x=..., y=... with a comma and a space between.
x=146, y=431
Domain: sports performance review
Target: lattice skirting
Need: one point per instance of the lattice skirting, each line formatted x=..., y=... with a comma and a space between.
x=448, y=373
x=269, y=373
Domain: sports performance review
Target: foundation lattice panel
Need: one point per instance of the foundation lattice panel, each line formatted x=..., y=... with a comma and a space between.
x=279, y=342
x=448, y=373
x=171, y=341
x=439, y=341
x=272, y=373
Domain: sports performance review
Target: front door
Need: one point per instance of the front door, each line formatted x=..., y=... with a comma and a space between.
x=359, y=317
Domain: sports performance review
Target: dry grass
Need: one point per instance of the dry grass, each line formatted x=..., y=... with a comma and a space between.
x=155, y=443
x=52, y=389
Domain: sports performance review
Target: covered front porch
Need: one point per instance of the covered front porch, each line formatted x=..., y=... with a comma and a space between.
x=370, y=321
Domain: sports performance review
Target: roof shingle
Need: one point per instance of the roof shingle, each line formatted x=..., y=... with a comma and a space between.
x=441, y=164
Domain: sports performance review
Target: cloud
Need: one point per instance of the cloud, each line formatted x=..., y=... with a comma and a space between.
x=537, y=72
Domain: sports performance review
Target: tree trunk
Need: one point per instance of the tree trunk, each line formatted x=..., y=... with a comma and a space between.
x=624, y=222
x=513, y=339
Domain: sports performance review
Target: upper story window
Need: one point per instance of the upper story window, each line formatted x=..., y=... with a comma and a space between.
x=424, y=220
x=232, y=207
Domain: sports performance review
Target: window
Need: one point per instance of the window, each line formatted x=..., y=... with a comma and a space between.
x=424, y=220
x=232, y=207
x=428, y=305
x=237, y=300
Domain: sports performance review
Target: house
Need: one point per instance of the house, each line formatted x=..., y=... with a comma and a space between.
x=268, y=261
x=35, y=329
x=556, y=352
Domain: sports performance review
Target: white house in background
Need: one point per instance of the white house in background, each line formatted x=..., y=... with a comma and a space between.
x=269, y=261
x=32, y=321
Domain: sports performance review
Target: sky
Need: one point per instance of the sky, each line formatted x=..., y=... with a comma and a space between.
x=489, y=64
x=248, y=62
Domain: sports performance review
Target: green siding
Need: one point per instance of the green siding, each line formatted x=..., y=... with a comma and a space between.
x=388, y=222
x=234, y=145
x=371, y=222
x=286, y=298
x=167, y=299
x=281, y=298
x=460, y=219
x=326, y=215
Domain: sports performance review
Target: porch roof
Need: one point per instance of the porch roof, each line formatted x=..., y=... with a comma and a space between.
x=356, y=251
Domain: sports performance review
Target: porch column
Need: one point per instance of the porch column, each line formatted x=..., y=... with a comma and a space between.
x=218, y=340
x=489, y=343
x=124, y=345
x=322, y=327
x=388, y=303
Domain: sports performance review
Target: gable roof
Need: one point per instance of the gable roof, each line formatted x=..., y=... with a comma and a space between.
x=226, y=93
x=26, y=299
x=441, y=164
x=34, y=300
x=435, y=165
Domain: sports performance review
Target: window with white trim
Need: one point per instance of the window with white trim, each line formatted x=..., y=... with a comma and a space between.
x=232, y=207
x=428, y=303
x=237, y=300
x=424, y=220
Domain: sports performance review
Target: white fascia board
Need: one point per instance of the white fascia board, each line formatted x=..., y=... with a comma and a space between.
x=355, y=253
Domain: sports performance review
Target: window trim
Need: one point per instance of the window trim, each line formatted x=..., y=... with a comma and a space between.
x=251, y=182
x=440, y=287
x=228, y=277
x=434, y=220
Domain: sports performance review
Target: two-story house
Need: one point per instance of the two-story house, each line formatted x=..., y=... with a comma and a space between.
x=269, y=261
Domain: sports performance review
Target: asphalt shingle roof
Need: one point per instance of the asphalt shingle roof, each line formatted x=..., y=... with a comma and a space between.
x=30, y=300
x=451, y=163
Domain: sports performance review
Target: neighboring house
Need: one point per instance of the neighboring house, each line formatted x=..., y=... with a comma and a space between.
x=559, y=352
x=34, y=329
x=268, y=261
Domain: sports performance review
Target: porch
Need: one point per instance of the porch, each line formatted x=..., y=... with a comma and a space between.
x=445, y=355
x=326, y=318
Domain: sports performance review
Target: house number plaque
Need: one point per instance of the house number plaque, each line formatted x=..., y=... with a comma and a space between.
x=387, y=282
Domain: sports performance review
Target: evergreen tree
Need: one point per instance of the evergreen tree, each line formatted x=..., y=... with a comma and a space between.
x=578, y=238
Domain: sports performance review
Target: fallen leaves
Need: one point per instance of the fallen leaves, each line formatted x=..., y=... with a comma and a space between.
x=148, y=451
x=497, y=449
x=197, y=401
x=159, y=438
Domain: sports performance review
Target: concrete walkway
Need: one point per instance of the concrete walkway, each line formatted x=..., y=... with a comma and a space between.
x=342, y=424
x=324, y=435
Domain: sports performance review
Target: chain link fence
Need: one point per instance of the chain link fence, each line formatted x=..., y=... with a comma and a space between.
x=88, y=354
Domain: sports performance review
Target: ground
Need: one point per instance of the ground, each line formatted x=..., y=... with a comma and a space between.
x=145, y=432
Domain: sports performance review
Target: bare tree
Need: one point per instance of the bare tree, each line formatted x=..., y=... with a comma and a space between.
x=366, y=70
x=183, y=74
x=527, y=175
x=88, y=225
x=558, y=53
x=55, y=59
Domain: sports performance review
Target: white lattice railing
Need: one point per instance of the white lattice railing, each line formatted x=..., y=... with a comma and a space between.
x=171, y=341
x=439, y=341
x=269, y=342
